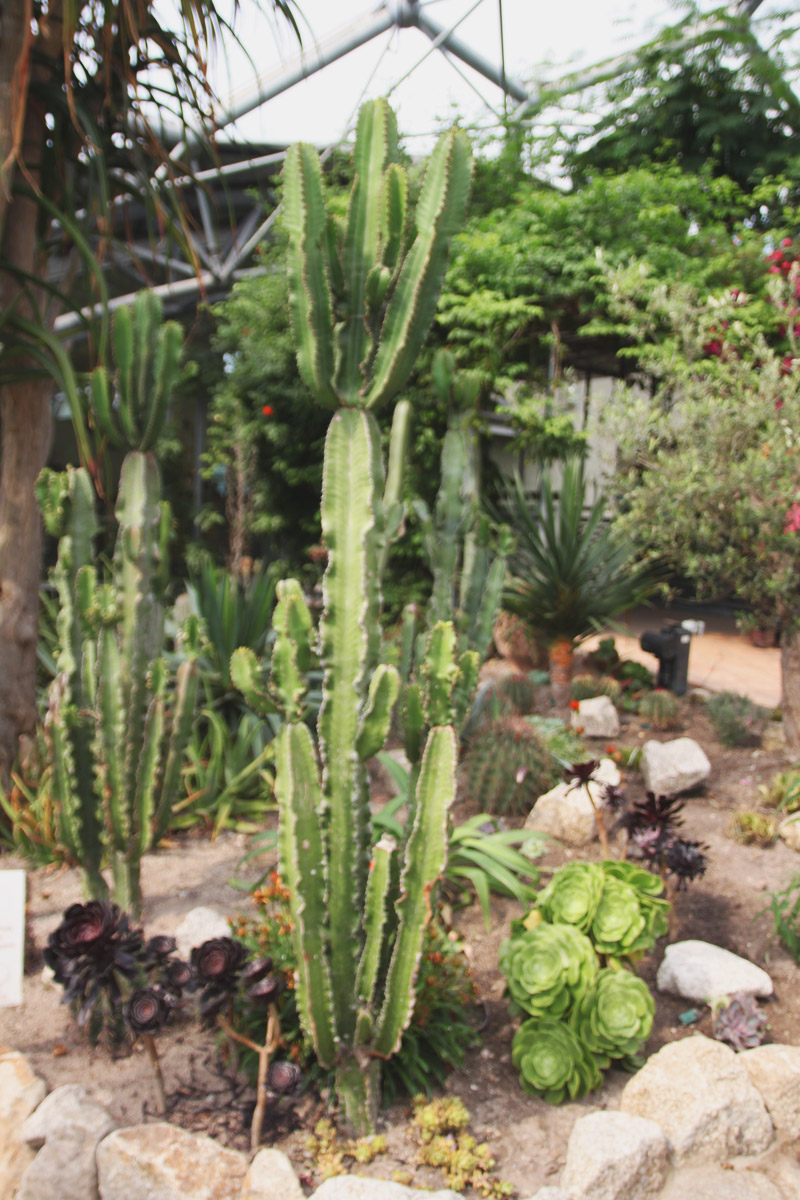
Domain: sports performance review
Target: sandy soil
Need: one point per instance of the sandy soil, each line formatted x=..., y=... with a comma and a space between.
x=527, y=1136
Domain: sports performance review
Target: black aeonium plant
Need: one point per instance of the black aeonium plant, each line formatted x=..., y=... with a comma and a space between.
x=96, y=956
x=218, y=965
x=652, y=827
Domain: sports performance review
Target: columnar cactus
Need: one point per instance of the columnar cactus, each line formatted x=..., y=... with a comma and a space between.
x=117, y=724
x=362, y=300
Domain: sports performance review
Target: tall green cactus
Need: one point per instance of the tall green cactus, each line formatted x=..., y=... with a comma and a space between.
x=362, y=300
x=117, y=724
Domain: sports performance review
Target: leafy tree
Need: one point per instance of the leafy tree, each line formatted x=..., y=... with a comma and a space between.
x=76, y=84
x=708, y=468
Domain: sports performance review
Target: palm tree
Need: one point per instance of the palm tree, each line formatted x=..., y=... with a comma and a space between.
x=570, y=571
x=77, y=82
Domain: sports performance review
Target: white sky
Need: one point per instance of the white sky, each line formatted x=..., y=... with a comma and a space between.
x=542, y=40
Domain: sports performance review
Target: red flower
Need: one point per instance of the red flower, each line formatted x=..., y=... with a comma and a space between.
x=792, y=519
x=787, y=241
x=268, y=410
x=574, y=704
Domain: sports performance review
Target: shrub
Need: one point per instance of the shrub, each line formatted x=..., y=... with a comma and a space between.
x=508, y=766
x=736, y=720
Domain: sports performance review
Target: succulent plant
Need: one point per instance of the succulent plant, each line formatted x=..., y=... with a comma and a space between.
x=547, y=967
x=619, y=928
x=148, y=1010
x=218, y=964
x=613, y=1019
x=552, y=1061
x=95, y=954
x=660, y=708
x=739, y=1021
x=573, y=894
x=586, y=687
x=283, y=1077
x=508, y=766
x=685, y=860
x=516, y=693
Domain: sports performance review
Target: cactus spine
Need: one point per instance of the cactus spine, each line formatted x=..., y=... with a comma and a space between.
x=362, y=299
x=116, y=723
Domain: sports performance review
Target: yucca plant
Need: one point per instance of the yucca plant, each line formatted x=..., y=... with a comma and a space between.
x=363, y=294
x=571, y=573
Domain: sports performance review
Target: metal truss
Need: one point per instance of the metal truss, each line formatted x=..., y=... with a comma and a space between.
x=228, y=222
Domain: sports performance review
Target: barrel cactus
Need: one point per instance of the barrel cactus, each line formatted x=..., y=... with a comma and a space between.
x=362, y=295
x=660, y=708
x=586, y=687
x=508, y=766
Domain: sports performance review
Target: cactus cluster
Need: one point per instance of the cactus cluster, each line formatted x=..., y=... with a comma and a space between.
x=117, y=722
x=363, y=293
x=508, y=766
x=586, y=687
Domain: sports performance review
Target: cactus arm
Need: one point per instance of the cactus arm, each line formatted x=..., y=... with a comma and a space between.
x=463, y=691
x=393, y=507
x=246, y=678
x=109, y=741
x=144, y=800
x=166, y=367
x=377, y=715
x=440, y=212
x=291, y=655
x=310, y=301
x=100, y=390
x=375, y=148
x=440, y=673
x=425, y=859
x=124, y=355
x=448, y=521
x=302, y=865
x=393, y=215
x=375, y=917
x=187, y=683
x=413, y=722
x=352, y=486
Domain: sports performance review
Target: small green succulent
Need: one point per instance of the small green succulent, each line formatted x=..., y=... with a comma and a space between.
x=613, y=1019
x=573, y=894
x=547, y=967
x=552, y=1061
x=619, y=923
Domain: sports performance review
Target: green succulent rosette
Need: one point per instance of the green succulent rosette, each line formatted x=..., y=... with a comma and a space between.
x=614, y=1018
x=649, y=889
x=547, y=967
x=572, y=895
x=619, y=928
x=552, y=1061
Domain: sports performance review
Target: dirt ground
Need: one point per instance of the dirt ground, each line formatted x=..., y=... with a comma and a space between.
x=527, y=1137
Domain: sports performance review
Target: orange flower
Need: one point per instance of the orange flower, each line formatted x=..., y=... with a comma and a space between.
x=574, y=704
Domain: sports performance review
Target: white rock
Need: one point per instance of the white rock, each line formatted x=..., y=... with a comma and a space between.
x=20, y=1093
x=702, y=1098
x=65, y=1129
x=670, y=768
x=789, y=831
x=596, y=717
x=198, y=926
x=700, y=971
x=613, y=1156
x=566, y=812
x=356, y=1187
x=271, y=1176
x=551, y=1193
x=775, y=1072
x=715, y=1183
x=162, y=1162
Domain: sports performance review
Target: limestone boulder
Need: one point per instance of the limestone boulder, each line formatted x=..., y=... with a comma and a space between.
x=670, y=768
x=65, y=1129
x=597, y=718
x=271, y=1176
x=20, y=1093
x=567, y=812
x=775, y=1072
x=162, y=1162
x=789, y=832
x=198, y=926
x=356, y=1187
x=716, y=1183
x=701, y=971
x=702, y=1097
x=614, y=1156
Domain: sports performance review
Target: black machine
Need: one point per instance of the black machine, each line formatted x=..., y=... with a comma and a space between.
x=671, y=648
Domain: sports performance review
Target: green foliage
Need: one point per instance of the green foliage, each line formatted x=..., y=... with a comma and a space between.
x=783, y=791
x=570, y=570
x=753, y=828
x=441, y=1127
x=508, y=766
x=737, y=721
x=547, y=968
x=552, y=1061
x=614, y=1017
x=660, y=708
x=784, y=906
x=228, y=776
x=234, y=611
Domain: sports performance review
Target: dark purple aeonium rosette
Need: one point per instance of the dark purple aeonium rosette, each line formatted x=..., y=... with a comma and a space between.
x=148, y=1010
x=218, y=965
x=93, y=953
x=283, y=1077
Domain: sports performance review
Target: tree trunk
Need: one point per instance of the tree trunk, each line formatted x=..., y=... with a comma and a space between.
x=560, y=654
x=790, y=699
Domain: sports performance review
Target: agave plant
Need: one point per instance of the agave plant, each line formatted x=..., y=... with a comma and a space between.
x=571, y=572
x=552, y=1061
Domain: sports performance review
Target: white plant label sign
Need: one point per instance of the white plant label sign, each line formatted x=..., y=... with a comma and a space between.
x=12, y=937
